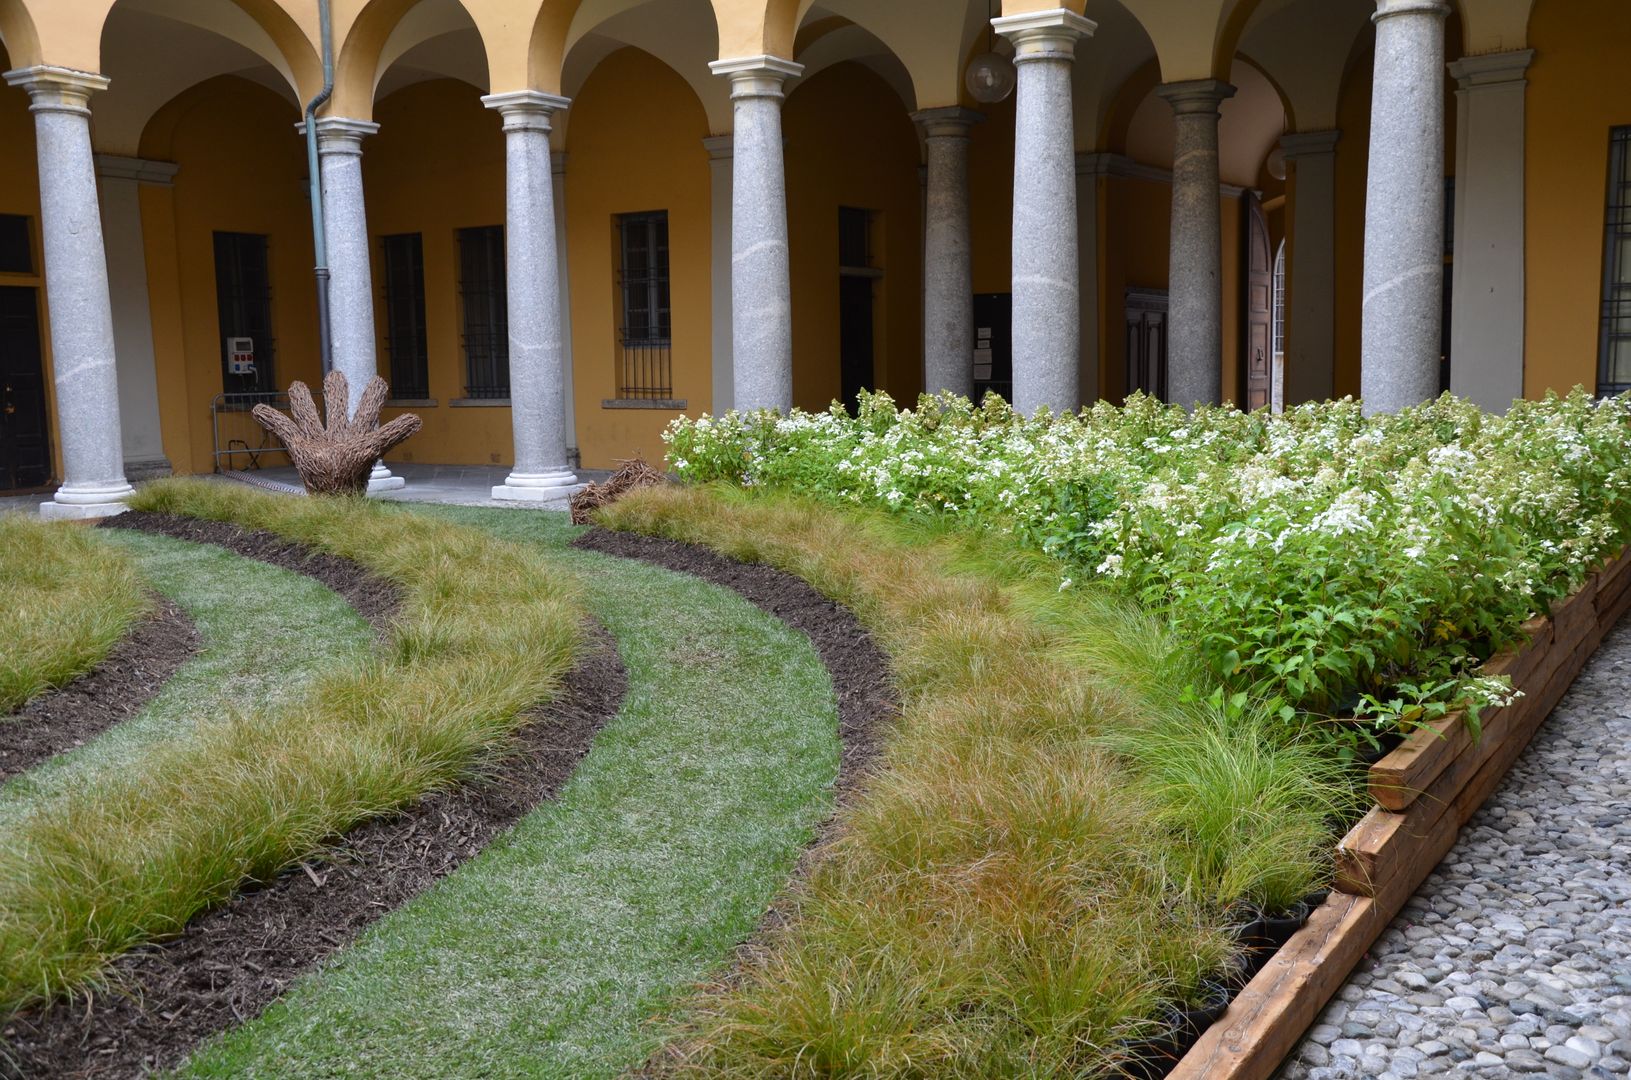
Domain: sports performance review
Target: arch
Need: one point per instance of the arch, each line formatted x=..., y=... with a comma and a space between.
x=17, y=34
x=931, y=43
x=1118, y=51
x=848, y=42
x=371, y=41
x=1495, y=25
x=678, y=33
x=1305, y=47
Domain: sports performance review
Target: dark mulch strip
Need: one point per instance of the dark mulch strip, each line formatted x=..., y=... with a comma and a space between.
x=230, y=963
x=114, y=691
x=374, y=598
x=867, y=701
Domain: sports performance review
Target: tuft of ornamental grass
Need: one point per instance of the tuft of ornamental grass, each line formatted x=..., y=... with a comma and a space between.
x=1028, y=879
x=65, y=601
x=485, y=632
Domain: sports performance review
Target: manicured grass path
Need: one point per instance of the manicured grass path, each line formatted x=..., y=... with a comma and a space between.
x=549, y=954
x=267, y=633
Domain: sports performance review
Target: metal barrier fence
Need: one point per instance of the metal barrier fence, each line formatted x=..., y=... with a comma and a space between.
x=240, y=442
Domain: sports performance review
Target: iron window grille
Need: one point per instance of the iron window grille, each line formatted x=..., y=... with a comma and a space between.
x=405, y=341
x=16, y=249
x=1614, y=334
x=243, y=298
x=486, y=312
x=645, y=331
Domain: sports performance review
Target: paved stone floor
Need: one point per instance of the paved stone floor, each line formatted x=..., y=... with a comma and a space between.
x=1514, y=958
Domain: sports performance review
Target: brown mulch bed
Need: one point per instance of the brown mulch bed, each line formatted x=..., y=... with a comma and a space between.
x=115, y=690
x=230, y=963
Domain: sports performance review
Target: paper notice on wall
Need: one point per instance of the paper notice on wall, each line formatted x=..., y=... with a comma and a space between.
x=982, y=361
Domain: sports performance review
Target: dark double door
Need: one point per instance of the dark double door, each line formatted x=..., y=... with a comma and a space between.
x=25, y=440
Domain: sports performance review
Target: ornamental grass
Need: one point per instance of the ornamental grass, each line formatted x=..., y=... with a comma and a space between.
x=485, y=632
x=1054, y=846
x=65, y=602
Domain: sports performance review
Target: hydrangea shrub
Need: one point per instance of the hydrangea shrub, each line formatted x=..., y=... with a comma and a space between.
x=1336, y=564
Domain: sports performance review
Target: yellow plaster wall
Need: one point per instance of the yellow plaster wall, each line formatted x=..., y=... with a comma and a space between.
x=436, y=166
x=1577, y=92
x=850, y=143
x=242, y=169
x=991, y=197
x=635, y=144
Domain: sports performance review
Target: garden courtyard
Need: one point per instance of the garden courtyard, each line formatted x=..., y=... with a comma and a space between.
x=1051, y=782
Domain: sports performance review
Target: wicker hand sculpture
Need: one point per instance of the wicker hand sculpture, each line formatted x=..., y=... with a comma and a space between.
x=336, y=459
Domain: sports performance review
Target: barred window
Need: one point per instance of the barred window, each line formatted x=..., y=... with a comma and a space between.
x=243, y=302
x=405, y=315
x=1614, y=334
x=645, y=323
x=486, y=312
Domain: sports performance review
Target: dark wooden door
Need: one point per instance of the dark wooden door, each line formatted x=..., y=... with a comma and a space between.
x=1257, y=369
x=25, y=444
x=855, y=336
x=1147, y=342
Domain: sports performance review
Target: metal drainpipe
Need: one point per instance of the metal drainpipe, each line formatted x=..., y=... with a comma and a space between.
x=325, y=346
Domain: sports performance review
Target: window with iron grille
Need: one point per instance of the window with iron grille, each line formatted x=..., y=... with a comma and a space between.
x=405, y=315
x=243, y=301
x=16, y=252
x=1614, y=334
x=486, y=312
x=645, y=331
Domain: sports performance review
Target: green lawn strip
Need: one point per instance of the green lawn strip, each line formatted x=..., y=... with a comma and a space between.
x=267, y=632
x=548, y=954
x=485, y=632
x=1058, y=844
x=65, y=601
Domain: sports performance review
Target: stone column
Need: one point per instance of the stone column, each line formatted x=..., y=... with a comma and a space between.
x=1046, y=289
x=1195, y=275
x=761, y=296
x=1486, y=310
x=1400, y=337
x=537, y=386
x=122, y=179
x=351, y=276
x=948, y=272
x=719, y=171
x=76, y=289
x=1310, y=345
x=569, y=422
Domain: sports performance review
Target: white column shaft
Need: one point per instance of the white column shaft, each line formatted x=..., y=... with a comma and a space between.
x=1400, y=337
x=948, y=272
x=76, y=288
x=1486, y=310
x=532, y=269
x=761, y=292
x=1046, y=289
x=1310, y=346
x=1195, y=275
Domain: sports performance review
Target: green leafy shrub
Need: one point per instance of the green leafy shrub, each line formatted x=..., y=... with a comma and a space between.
x=1331, y=564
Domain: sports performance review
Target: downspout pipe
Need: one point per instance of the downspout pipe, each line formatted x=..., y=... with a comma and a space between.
x=325, y=344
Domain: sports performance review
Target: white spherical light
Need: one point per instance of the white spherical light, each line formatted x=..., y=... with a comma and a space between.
x=1277, y=163
x=991, y=78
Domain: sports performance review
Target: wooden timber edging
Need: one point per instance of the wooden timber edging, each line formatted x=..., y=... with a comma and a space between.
x=1426, y=790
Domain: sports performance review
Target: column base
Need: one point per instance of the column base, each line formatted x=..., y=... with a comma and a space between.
x=57, y=511
x=556, y=485
x=383, y=479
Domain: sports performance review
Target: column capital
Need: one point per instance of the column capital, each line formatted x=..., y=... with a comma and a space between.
x=340, y=134
x=141, y=170
x=756, y=76
x=951, y=121
x=1308, y=143
x=1491, y=69
x=1195, y=96
x=58, y=89
x=720, y=147
x=1044, y=35
x=526, y=110
x=1386, y=9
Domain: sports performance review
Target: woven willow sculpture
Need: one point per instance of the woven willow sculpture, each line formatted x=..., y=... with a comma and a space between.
x=335, y=459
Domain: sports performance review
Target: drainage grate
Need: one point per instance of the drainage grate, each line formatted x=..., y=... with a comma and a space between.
x=263, y=482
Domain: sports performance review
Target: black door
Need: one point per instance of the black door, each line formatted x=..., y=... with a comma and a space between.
x=243, y=298
x=25, y=445
x=993, y=345
x=854, y=336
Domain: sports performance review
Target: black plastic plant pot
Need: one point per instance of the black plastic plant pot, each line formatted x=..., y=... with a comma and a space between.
x=1279, y=928
x=1213, y=1003
x=1151, y=1059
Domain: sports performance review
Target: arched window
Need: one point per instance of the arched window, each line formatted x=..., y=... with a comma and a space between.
x=1277, y=341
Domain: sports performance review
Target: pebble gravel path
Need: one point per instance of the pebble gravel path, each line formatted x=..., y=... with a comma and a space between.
x=1514, y=958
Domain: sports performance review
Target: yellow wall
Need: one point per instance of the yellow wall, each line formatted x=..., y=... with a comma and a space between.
x=851, y=143
x=991, y=197
x=437, y=165
x=242, y=169
x=1577, y=91
x=635, y=144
